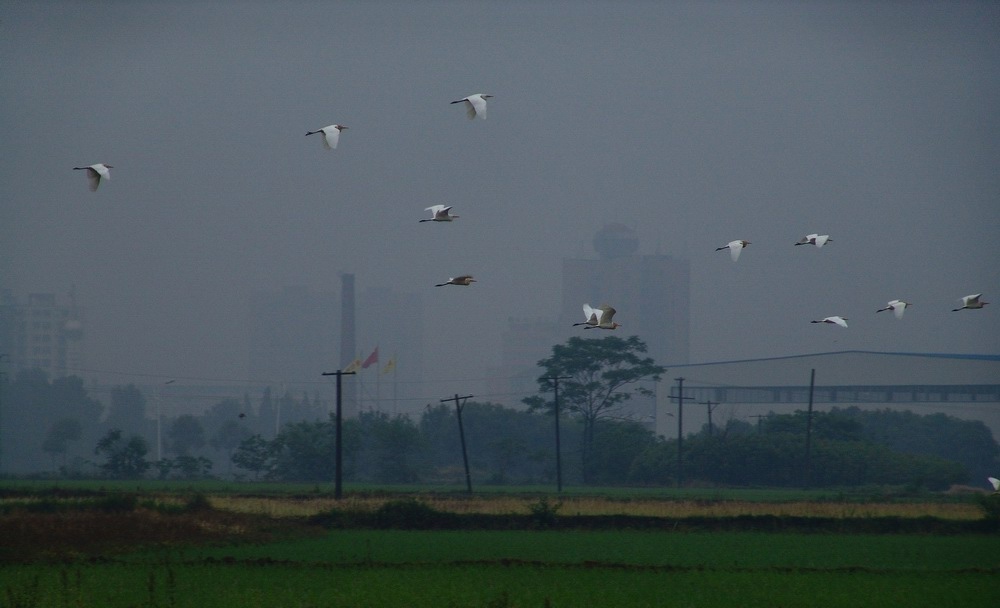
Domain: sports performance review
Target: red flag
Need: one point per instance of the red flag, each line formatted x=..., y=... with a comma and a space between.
x=371, y=360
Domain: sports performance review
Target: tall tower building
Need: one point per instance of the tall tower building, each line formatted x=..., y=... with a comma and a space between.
x=45, y=333
x=650, y=292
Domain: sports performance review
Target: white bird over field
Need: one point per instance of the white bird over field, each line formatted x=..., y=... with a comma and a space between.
x=897, y=307
x=331, y=135
x=835, y=320
x=995, y=483
x=475, y=105
x=592, y=314
x=815, y=239
x=734, y=247
x=971, y=302
x=95, y=173
x=605, y=321
x=465, y=280
x=439, y=213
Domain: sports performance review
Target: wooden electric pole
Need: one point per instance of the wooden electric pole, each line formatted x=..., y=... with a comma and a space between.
x=809, y=419
x=709, y=405
x=461, y=434
x=338, y=478
x=555, y=381
x=680, y=428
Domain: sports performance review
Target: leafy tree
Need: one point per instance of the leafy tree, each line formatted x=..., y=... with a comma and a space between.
x=255, y=454
x=306, y=451
x=396, y=443
x=59, y=436
x=32, y=405
x=228, y=437
x=603, y=374
x=192, y=467
x=185, y=434
x=617, y=443
x=969, y=442
x=125, y=458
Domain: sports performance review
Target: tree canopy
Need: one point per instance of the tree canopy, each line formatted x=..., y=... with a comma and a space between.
x=599, y=376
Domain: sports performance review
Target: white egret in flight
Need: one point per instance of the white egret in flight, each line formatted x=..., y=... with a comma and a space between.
x=475, y=105
x=971, y=302
x=815, y=239
x=465, y=279
x=96, y=173
x=439, y=213
x=605, y=321
x=897, y=307
x=592, y=314
x=331, y=135
x=734, y=247
x=835, y=320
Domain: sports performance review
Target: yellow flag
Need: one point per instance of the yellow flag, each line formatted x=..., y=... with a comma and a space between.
x=354, y=366
x=391, y=365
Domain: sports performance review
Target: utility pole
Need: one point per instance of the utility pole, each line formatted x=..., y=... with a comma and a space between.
x=338, y=479
x=809, y=419
x=461, y=434
x=709, y=404
x=759, y=417
x=680, y=428
x=555, y=381
x=1, y=410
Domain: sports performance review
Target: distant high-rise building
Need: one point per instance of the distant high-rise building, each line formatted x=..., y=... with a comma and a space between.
x=45, y=333
x=650, y=292
x=525, y=343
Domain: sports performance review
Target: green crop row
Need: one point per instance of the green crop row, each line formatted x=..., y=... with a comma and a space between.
x=482, y=585
x=732, y=550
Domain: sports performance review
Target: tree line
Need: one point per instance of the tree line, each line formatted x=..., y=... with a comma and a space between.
x=600, y=445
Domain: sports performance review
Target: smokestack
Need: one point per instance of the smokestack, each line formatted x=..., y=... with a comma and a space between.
x=348, y=349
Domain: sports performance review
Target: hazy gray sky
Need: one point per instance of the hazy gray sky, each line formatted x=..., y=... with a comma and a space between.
x=694, y=123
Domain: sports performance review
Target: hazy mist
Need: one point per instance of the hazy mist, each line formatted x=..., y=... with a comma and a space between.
x=693, y=123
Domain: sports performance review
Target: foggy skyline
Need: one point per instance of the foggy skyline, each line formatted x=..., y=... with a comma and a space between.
x=693, y=123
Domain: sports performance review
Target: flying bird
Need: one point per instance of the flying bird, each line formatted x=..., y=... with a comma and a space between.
x=465, y=279
x=96, y=173
x=735, y=248
x=971, y=302
x=475, y=105
x=605, y=321
x=815, y=239
x=593, y=315
x=331, y=135
x=835, y=320
x=995, y=483
x=896, y=306
x=439, y=213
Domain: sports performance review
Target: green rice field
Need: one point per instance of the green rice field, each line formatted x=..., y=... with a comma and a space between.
x=229, y=552
x=525, y=568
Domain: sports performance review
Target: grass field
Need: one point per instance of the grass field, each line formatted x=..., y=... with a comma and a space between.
x=256, y=549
